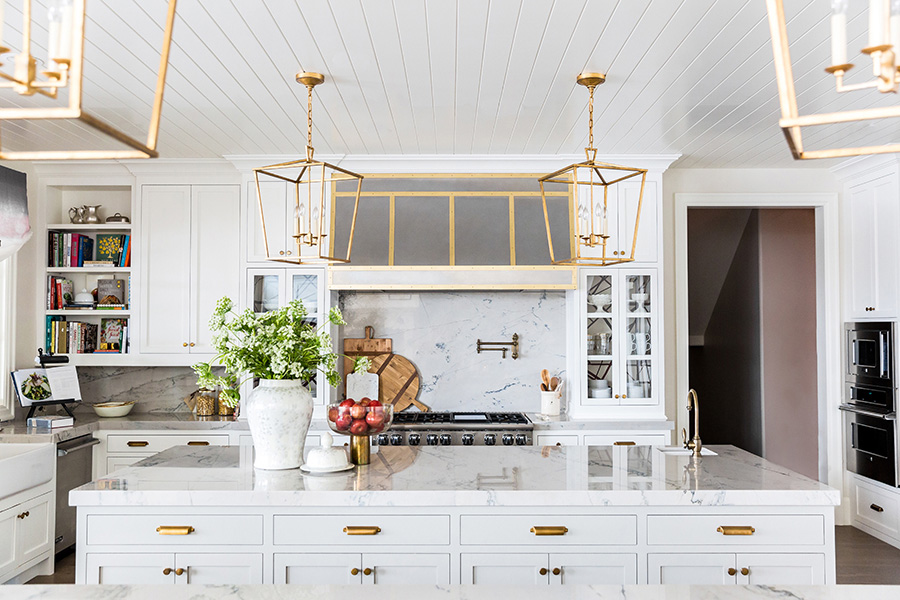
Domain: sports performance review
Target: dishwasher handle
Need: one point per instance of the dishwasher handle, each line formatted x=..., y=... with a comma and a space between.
x=60, y=451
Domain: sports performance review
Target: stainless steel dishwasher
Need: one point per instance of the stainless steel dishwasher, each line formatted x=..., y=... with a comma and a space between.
x=73, y=468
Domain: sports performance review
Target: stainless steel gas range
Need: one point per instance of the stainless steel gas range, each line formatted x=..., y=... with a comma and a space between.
x=457, y=429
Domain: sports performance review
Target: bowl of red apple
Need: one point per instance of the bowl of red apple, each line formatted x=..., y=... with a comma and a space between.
x=360, y=419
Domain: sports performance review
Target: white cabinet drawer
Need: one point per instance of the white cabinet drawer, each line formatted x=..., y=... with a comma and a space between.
x=330, y=530
x=153, y=443
x=876, y=509
x=114, y=463
x=615, y=439
x=141, y=530
x=517, y=529
x=789, y=530
x=550, y=439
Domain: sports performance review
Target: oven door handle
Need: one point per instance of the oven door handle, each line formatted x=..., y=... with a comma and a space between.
x=868, y=413
x=883, y=354
x=854, y=344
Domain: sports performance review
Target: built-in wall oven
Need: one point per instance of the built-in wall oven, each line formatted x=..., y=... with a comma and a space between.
x=869, y=403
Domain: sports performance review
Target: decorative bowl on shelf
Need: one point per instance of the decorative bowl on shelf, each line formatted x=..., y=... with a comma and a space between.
x=360, y=420
x=113, y=409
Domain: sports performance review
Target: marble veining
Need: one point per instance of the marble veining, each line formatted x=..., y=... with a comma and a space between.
x=450, y=592
x=464, y=476
x=438, y=333
x=154, y=389
x=565, y=423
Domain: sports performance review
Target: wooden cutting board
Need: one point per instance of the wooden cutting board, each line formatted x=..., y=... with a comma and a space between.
x=368, y=346
x=399, y=381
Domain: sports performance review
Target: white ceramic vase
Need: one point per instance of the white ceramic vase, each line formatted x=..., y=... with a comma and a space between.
x=279, y=412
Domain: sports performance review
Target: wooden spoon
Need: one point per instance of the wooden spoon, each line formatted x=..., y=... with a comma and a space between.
x=554, y=382
x=545, y=377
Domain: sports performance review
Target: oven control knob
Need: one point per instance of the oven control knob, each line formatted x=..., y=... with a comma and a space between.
x=507, y=439
x=396, y=439
x=382, y=439
x=446, y=439
x=414, y=439
x=521, y=439
x=431, y=439
x=490, y=439
x=468, y=439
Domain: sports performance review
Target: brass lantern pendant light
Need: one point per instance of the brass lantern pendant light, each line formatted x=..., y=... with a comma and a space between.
x=301, y=193
x=600, y=206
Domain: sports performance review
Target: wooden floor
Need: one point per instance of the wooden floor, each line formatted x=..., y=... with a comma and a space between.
x=861, y=559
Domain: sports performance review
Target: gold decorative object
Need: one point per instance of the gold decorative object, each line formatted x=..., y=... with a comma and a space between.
x=883, y=46
x=206, y=403
x=314, y=207
x=500, y=346
x=593, y=187
x=65, y=66
x=359, y=449
x=224, y=409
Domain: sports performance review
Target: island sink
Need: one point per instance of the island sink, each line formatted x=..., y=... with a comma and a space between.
x=679, y=451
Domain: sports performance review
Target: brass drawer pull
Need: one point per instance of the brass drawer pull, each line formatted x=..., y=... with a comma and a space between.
x=732, y=571
x=362, y=530
x=623, y=443
x=198, y=443
x=876, y=508
x=138, y=444
x=23, y=515
x=179, y=572
x=557, y=570
x=354, y=571
x=367, y=571
x=554, y=530
x=167, y=571
x=745, y=571
x=543, y=571
x=174, y=530
x=735, y=530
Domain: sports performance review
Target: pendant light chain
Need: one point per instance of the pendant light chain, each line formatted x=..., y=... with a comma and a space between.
x=309, y=146
x=591, y=119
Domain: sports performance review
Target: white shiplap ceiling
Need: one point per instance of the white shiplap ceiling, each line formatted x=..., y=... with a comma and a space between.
x=457, y=77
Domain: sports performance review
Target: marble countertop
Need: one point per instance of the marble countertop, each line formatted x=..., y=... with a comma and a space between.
x=565, y=422
x=463, y=476
x=472, y=592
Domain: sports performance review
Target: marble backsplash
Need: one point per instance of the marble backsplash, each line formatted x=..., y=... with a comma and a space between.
x=156, y=389
x=437, y=331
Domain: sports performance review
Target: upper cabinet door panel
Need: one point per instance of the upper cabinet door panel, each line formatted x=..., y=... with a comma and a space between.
x=273, y=197
x=887, y=219
x=165, y=268
x=860, y=218
x=646, y=249
x=215, y=227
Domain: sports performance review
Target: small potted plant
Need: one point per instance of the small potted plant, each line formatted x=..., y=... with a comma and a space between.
x=285, y=351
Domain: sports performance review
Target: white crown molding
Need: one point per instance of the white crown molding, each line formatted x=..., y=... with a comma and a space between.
x=860, y=165
x=79, y=168
x=456, y=163
x=178, y=166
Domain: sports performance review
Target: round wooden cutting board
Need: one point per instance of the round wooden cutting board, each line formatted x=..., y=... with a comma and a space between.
x=399, y=381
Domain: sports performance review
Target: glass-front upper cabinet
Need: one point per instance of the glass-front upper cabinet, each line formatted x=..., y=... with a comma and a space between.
x=620, y=339
x=270, y=289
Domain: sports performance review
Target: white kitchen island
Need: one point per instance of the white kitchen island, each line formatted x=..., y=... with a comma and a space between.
x=445, y=515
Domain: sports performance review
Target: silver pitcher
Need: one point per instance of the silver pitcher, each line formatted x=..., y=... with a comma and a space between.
x=91, y=214
x=76, y=214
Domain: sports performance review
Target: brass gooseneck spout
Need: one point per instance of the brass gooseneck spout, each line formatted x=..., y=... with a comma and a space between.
x=695, y=444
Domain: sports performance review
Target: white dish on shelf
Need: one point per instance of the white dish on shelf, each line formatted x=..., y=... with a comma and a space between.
x=598, y=384
x=113, y=409
x=604, y=393
x=640, y=297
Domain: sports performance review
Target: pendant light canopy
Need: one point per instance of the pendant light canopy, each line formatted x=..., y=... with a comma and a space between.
x=301, y=193
x=594, y=214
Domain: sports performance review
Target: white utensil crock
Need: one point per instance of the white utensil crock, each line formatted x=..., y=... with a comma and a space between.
x=279, y=412
x=550, y=403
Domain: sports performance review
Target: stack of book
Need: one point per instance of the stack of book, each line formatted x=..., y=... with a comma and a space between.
x=115, y=248
x=60, y=293
x=69, y=249
x=71, y=337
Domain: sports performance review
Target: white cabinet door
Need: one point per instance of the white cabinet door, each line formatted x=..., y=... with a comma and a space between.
x=273, y=197
x=318, y=569
x=505, y=569
x=215, y=256
x=781, y=569
x=593, y=569
x=165, y=268
x=691, y=569
x=130, y=569
x=415, y=569
x=646, y=249
x=871, y=215
x=36, y=531
x=219, y=569
x=114, y=463
x=8, y=542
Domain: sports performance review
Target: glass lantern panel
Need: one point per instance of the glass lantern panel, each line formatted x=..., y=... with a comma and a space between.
x=265, y=293
x=639, y=341
x=638, y=294
x=639, y=379
x=599, y=294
